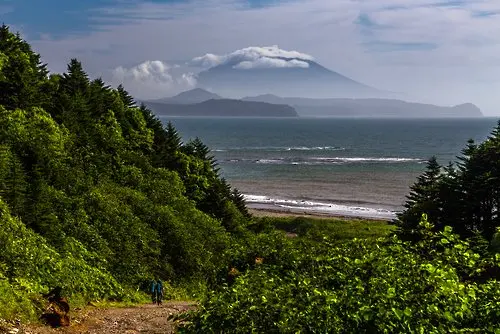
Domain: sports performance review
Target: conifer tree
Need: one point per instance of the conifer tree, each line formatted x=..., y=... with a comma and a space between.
x=127, y=100
x=75, y=80
x=102, y=98
x=450, y=198
x=22, y=74
x=481, y=179
x=13, y=184
x=239, y=201
x=173, y=141
x=168, y=148
x=198, y=149
x=423, y=198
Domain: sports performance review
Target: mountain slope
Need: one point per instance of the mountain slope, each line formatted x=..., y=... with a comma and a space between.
x=311, y=79
x=196, y=95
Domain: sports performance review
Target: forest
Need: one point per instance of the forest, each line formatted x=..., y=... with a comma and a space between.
x=98, y=195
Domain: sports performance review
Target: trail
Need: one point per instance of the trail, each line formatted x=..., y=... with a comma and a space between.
x=150, y=319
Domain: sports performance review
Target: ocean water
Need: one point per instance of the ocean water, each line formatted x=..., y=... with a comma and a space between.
x=349, y=167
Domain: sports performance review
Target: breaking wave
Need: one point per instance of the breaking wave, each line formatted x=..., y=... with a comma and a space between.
x=259, y=201
x=281, y=149
x=326, y=161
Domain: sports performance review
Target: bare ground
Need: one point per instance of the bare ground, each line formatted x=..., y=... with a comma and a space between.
x=150, y=319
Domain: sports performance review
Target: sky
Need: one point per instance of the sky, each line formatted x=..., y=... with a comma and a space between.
x=437, y=51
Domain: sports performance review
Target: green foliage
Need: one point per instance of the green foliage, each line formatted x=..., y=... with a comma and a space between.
x=14, y=186
x=423, y=197
x=319, y=228
x=29, y=265
x=22, y=75
x=361, y=286
x=96, y=196
x=104, y=196
x=466, y=197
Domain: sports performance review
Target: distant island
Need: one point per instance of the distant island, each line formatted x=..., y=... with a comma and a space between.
x=222, y=108
x=368, y=107
x=200, y=102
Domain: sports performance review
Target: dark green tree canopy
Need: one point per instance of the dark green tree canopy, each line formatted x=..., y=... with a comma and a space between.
x=466, y=197
x=81, y=165
x=22, y=75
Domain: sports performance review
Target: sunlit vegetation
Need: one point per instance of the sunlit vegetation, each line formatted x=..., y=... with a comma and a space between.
x=97, y=196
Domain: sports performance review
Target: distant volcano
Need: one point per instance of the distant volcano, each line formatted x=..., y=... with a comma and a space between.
x=270, y=70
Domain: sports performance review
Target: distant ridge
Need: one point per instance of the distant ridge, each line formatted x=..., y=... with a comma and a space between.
x=211, y=104
x=196, y=95
x=223, y=108
x=368, y=107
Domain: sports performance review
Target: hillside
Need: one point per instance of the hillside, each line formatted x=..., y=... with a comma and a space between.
x=97, y=195
x=196, y=95
x=342, y=107
x=223, y=108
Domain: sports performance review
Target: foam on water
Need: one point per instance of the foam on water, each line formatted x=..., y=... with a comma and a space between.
x=327, y=160
x=369, y=159
x=318, y=207
x=281, y=148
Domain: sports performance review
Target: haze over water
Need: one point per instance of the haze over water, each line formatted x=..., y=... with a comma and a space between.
x=353, y=167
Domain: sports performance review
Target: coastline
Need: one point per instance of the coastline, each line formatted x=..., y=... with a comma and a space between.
x=271, y=205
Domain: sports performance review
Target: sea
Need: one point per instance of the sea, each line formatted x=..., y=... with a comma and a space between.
x=333, y=166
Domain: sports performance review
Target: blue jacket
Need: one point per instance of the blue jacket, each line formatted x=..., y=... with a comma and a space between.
x=159, y=287
x=153, y=286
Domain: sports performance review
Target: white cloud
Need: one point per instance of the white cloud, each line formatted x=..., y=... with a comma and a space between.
x=463, y=66
x=208, y=60
x=266, y=62
x=255, y=57
x=154, y=70
x=153, y=79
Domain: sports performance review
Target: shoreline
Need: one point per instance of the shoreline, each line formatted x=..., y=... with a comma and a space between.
x=284, y=213
x=282, y=206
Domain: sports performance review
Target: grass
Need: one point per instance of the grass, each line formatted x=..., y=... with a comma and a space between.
x=333, y=228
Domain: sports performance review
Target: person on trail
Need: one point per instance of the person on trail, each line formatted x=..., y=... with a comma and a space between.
x=153, y=291
x=159, y=292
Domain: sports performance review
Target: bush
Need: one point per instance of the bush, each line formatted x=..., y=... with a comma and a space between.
x=361, y=286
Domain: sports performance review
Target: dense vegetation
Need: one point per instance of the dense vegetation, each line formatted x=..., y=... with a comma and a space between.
x=465, y=195
x=97, y=195
x=437, y=285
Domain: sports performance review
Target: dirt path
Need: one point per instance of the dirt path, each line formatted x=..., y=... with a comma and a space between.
x=141, y=319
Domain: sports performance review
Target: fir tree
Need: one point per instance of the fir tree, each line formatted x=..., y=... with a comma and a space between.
x=75, y=80
x=239, y=201
x=13, y=184
x=198, y=149
x=449, y=194
x=22, y=74
x=168, y=150
x=127, y=100
x=173, y=141
x=423, y=198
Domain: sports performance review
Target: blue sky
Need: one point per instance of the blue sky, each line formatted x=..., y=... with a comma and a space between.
x=437, y=50
x=62, y=17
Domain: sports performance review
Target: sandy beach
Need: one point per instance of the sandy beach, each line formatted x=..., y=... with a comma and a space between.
x=268, y=212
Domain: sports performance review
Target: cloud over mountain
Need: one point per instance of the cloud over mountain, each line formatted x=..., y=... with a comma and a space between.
x=266, y=62
x=271, y=70
x=153, y=78
x=255, y=57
